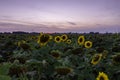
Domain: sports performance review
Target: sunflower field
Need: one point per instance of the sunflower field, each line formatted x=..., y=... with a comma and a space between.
x=60, y=56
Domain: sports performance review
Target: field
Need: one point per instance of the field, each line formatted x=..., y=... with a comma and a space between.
x=58, y=56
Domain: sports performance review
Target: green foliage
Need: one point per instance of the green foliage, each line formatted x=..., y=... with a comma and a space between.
x=4, y=68
x=58, y=61
x=4, y=77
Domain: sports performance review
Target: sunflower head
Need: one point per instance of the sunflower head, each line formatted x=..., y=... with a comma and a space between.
x=41, y=33
x=57, y=39
x=102, y=76
x=116, y=59
x=105, y=53
x=17, y=70
x=63, y=70
x=34, y=38
x=43, y=39
x=68, y=41
x=77, y=51
x=64, y=37
x=81, y=40
x=96, y=58
x=88, y=44
x=55, y=54
x=23, y=45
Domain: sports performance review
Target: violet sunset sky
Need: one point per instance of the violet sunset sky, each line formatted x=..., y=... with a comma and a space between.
x=60, y=15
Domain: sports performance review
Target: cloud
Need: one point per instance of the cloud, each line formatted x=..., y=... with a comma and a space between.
x=72, y=23
x=6, y=17
x=9, y=27
x=44, y=27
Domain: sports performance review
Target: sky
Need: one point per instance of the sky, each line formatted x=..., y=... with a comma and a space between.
x=60, y=15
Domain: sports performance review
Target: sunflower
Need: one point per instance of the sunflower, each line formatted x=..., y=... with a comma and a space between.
x=77, y=51
x=43, y=39
x=102, y=76
x=55, y=54
x=20, y=42
x=88, y=44
x=81, y=40
x=34, y=38
x=63, y=70
x=116, y=59
x=17, y=70
x=96, y=58
x=64, y=37
x=105, y=53
x=57, y=39
x=41, y=33
x=23, y=45
x=68, y=41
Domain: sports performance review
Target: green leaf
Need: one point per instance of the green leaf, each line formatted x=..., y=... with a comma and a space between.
x=4, y=68
x=3, y=77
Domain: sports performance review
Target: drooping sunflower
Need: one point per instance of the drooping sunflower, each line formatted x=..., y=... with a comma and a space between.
x=102, y=76
x=116, y=59
x=77, y=51
x=23, y=45
x=63, y=70
x=43, y=39
x=55, y=54
x=64, y=37
x=57, y=39
x=88, y=44
x=96, y=58
x=105, y=53
x=17, y=70
x=68, y=41
x=81, y=40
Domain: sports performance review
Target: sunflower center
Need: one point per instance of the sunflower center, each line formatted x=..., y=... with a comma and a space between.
x=68, y=40
x=96, y=58
x=57, y=39
x=81, y=39
x=44, y=38
x=25, y=46
x=63, y=37
x=101, y=78
x=88, y=44
x=55, y=54
x=63, y=71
